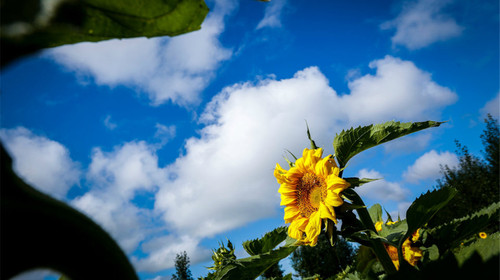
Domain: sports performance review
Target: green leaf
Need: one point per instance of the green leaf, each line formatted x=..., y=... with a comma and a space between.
x=356, y=182
x=70, y=242
x=355, y=140
x=92, y=21
x=268, y=242
x=375, y=213
x=252, y=267
x=313, y=144
x=426, y=206
x=451, y=234
x=430, y=253
x=395, y=232
x=486, y=248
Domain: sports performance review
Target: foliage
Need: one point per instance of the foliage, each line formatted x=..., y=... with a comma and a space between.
x=323, y=259
x=182, y=271
x=349, y=143
x=476, y=180
x=266, y=243
x=262, y=257
x=26, y=26
x=274, y=272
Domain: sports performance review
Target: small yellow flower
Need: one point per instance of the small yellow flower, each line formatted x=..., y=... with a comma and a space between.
x=390, y=223
x=483, y=235
x=378, y=226
x=309, y=191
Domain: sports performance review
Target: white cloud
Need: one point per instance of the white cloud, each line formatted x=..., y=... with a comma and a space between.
x=381, y=190
x=116, y=178
x=41, y=162
x=272, y=14
x=428, y=166
x=126, y=222
x=167, y=69
x=423, y=23
x=398, y=89
x=131, y=167
x=492, y=107
x=164, y=133
x=163, y=250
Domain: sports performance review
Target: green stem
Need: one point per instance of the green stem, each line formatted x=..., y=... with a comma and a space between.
x=377, y=245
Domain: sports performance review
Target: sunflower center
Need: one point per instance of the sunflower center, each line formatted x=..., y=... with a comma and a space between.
x=311, y=192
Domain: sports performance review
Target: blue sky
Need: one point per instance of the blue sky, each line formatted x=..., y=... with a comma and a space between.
x=170, y=143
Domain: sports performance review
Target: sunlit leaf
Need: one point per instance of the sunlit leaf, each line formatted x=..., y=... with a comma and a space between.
x=375, y=213
x=426, y=206
x=268, y=242
x=349, y=143
x=454, y=232
x=27, y=26
x=356, y=182
x=252, y=267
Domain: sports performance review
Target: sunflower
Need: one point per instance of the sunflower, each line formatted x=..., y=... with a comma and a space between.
x=411, y=253
x=309, y=191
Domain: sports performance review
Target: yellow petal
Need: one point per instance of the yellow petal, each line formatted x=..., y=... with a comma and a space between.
x=324, y=167
x=291, y=212
x=333, y=199
x=297, y=227
x=300, y=165
x=318, y=153
x=286, y=189
x=312, y=157
x=326, y=212
x=294, y=174
x=336, y=184
x=280, y=174
x=313, y=228
x=287, y=199
x=293, y=230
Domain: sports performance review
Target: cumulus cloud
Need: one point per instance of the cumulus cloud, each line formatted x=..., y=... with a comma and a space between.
x=428, y=166
x=398, y=88
x=272, y=14
x=492, y=107
x=166, y=69
x=41, y=162
x=381, y=190
x=163, y=250
x=117, y=177
x=164, y=133
x=422, y=23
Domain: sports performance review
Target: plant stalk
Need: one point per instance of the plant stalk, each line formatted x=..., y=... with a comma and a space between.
x=377, y=245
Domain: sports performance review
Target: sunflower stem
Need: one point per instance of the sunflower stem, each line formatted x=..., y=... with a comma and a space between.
x=377, y=246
